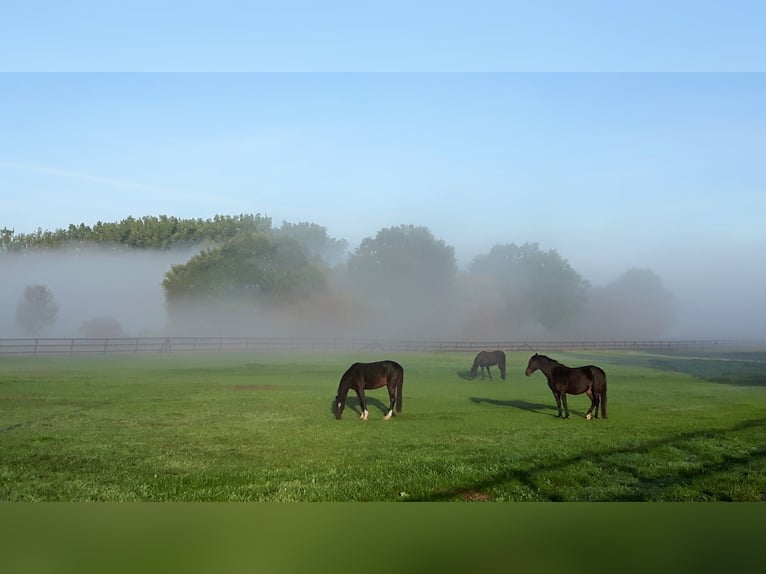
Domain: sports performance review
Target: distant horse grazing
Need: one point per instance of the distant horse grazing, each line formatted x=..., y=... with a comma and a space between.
x=361, y=376
x=485, y=359
x=589, y=379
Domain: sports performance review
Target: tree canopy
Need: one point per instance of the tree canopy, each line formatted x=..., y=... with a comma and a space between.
x=403, y=263
x=536, y=286
x=37, y=310
x=400, y=282
x=406, y=253
x=248, y=266
x=634, y=306
x=148, y=232
x=315, y=240
x=401, y=279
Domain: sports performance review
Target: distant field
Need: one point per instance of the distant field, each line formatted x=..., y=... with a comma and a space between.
x=259, y=427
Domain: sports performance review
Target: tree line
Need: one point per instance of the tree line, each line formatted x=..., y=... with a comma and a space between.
x=148, y=232
x=248, y=275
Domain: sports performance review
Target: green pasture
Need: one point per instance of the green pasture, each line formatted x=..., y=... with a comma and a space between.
x=259, y=427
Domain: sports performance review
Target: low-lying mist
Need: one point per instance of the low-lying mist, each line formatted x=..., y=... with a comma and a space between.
x=125, y=286
x=91, y=283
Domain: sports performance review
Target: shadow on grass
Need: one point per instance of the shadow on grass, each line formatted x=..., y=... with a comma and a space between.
x=645, y=485
x=466, y=376
x=517, y=404
x=352, y=403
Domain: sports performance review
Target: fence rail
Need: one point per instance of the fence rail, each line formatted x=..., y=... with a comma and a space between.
x=82, y=346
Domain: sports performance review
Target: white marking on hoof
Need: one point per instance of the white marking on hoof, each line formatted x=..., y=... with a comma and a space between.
x=364, y=415
x=589, y=416
x=388, y=416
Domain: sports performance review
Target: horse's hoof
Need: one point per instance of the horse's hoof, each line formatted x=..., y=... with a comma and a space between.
x=588, y=416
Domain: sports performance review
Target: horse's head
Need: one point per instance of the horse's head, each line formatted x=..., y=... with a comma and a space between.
x=338, y=406
x=476, y=363
x=533, y=364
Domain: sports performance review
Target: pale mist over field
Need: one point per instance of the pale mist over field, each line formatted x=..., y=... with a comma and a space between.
x=91, y=283
x=719, y=298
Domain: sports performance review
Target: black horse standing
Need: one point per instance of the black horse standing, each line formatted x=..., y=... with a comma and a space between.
x=361, y=376
x=589, y=379
x=485, y=359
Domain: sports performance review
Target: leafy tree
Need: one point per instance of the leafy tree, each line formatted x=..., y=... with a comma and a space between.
x=402, y=281
x=403, y=263
x=36, y=310
x=315, y=240
x=147, y=232
x=249, y=266
x=536, y=286
x=636, y=305
x=6, y=238
x=241, y=286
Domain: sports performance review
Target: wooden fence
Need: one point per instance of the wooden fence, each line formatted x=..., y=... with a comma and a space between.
x=81, y=346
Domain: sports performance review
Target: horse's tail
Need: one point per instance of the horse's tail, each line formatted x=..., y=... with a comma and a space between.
x=399, y=385
x=602, y=376
x=501, y=364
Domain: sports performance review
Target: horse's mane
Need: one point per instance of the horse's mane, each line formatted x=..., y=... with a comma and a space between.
x=547, y=358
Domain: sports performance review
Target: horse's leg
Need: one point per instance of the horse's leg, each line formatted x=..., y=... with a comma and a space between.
x=392, y=398
x=596, y=402
x=593, y=404
x=489, y=372
x=362, y=404
x=564, y=403
x=558, y=402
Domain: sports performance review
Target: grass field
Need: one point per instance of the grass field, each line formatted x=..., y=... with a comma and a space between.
x=253, y=427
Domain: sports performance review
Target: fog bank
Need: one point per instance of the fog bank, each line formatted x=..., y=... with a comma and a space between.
x=723, y=301
x=90, y=283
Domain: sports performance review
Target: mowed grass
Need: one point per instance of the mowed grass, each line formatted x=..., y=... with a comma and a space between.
x=259, y=427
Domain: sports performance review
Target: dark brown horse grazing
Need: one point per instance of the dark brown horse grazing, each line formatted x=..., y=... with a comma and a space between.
x=361, y=376
x=485, y=359
x=589, y=379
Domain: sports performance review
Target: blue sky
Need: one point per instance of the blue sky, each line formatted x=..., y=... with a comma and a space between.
x=619, y=164
x=395, y=35
x=622, y=134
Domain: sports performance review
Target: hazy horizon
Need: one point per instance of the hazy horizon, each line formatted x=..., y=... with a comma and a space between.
x=614, y=171
x=125, y=284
